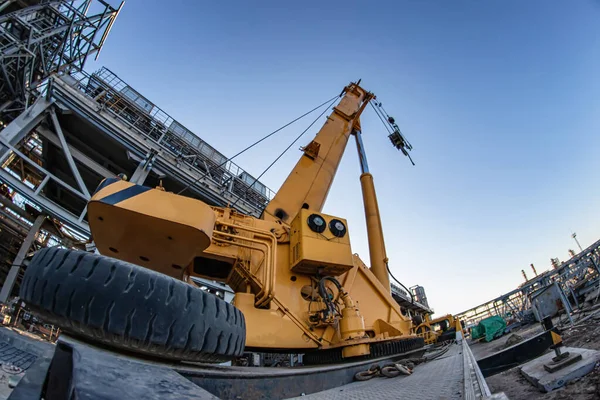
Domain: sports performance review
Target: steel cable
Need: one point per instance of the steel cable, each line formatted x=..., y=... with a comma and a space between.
x=286, y=149
x=254, y=144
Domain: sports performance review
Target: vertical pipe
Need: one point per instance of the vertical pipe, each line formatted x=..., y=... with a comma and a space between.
x=377, y=252
x=534, y=271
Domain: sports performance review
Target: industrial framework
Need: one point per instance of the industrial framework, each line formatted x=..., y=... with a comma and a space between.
x=37, y=40
x=575, y=277
x=45, y=38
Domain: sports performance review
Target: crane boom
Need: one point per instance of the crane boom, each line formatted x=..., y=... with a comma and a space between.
x=309, y=182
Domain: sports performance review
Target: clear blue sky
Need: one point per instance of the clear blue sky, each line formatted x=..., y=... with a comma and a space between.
x=499, y=98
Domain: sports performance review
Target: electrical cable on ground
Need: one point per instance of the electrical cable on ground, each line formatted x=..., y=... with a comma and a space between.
x=254, y=144
x=286, y=149
x=400, y=367
x=440, y=353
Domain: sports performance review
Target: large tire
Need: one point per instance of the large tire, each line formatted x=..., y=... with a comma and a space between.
x=450, y=334
x=129, y=307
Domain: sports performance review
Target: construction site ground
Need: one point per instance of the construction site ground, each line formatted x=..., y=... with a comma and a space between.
x=455, y=378
x=584, y=333
x=19, y=350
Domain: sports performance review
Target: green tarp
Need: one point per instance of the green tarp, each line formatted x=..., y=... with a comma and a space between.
x=489, y=329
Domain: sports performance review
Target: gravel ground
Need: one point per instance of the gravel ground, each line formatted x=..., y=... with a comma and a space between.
x=584, y=334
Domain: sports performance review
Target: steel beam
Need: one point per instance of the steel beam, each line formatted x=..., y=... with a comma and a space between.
x=23, y=124
x=46, y=205
x=11, y=278
x=21, y=213
x=77, y=155
x=6, y=4
x=136, y=141
x=13, y=223
x=43, y=170
x=143, y=169
x=69, y=157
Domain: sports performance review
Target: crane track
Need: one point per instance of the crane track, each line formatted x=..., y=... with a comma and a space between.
x=398, y=347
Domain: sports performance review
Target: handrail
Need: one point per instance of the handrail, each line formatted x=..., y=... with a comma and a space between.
x=158, y=126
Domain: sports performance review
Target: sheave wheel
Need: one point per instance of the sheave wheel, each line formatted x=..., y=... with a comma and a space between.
x=129, y=307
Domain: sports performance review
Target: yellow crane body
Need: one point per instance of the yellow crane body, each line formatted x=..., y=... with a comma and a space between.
x=432, y=330
x=293, y=272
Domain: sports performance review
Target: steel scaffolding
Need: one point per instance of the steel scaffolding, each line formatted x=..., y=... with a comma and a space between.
x=38, y=39
x=64, y=130
x=129, y=106
x=43, y=39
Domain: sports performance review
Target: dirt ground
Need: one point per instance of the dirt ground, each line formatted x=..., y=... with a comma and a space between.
x=585, y=334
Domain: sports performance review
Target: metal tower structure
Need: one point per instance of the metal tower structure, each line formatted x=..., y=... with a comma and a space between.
x=43, y=38
x=38, y=40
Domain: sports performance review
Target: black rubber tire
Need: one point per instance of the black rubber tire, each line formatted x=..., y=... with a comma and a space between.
x=450, y=334
x=130, y=307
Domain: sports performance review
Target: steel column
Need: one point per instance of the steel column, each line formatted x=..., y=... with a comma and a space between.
x=77, y=155
x=11, y=278
x=143, y=169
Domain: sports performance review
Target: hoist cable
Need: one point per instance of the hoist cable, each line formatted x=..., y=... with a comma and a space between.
x=389, y=123
x=255, y=143
x=380, y=105
x=387, y=128
x=384, y=113
x=286, y=149
x=383, y=117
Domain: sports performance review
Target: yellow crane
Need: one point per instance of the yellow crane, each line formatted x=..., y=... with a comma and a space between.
x=298, y=286
x=438, y=329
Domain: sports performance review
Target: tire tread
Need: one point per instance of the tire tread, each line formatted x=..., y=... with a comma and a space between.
x=130, y=307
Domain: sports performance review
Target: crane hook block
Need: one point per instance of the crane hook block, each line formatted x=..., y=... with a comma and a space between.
x=398, y=141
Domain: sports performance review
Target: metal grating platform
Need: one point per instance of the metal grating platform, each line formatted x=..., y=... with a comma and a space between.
x=93, y=370
x=13, y=356
x=439, y=379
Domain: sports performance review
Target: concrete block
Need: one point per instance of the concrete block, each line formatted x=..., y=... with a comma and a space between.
x=497, y=396
x=561, y=362
x=535, y=372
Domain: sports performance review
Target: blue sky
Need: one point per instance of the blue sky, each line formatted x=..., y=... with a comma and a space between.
x=498, y=98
